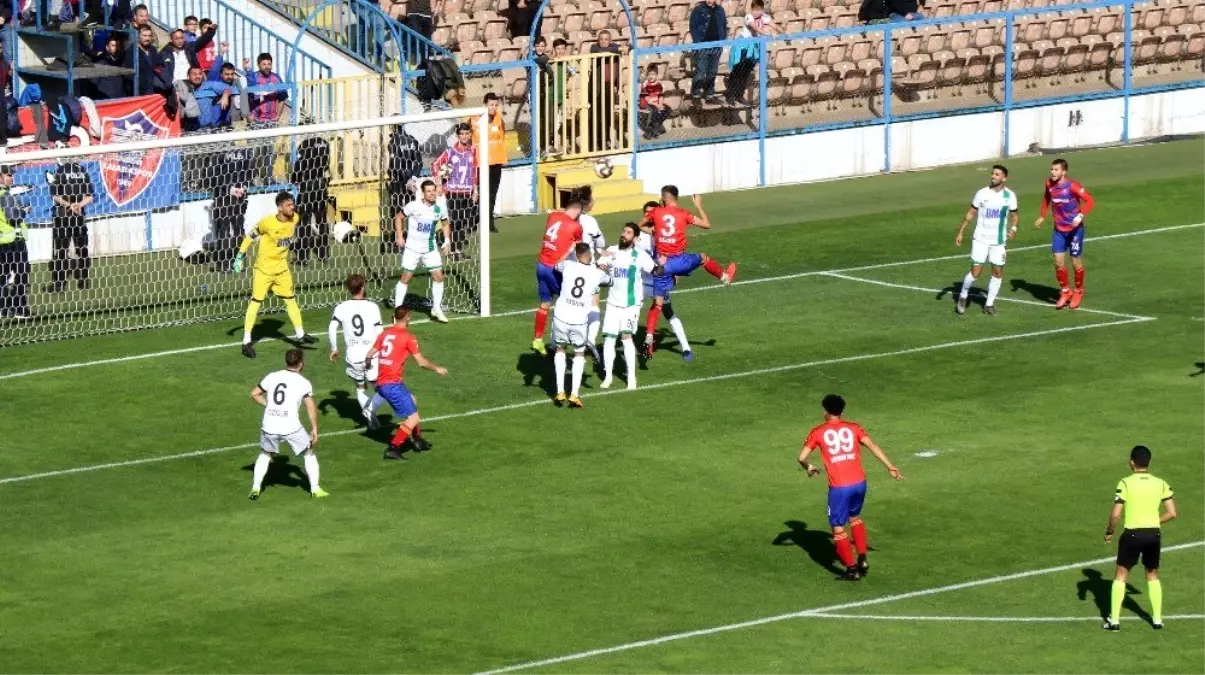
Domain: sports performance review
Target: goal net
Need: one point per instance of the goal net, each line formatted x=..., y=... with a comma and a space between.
x=146, y=235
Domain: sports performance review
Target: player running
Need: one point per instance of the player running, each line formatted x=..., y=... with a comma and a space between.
x=669, y=223
x=281, y=393
x=361, y=322
x=991, y=206
x=425, y=217
x=626, y=264
x=394, y=345
x=274, y=234
x=570, y=322
x=560, y=234
x=839, y=444
x=1071, y=203
x=645, y=243
x=591, y=234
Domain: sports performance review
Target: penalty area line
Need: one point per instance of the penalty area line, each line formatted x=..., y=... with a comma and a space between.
x=819, y=612
x=612, y=392
x=983, y=619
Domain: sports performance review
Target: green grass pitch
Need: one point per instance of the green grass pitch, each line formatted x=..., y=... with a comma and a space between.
x=667, y=529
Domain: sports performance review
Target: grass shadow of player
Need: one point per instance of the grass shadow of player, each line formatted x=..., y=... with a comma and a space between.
x=1101, y=590
x=269, y=329
x=664, y=341
x=537, y=371
x=1039, y=292
x=977, y=296
x=1200, y=366
x=818, y=544
x=283, y=473
x=343, y=404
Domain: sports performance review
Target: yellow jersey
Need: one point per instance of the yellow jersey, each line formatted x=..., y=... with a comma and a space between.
x=1142, y=493
x=274, y=236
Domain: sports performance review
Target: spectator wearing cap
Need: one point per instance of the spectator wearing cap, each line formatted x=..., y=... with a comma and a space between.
x=14, y=252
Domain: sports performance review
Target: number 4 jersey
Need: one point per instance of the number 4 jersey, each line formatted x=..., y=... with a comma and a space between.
x=284, y=390
x=840, y=444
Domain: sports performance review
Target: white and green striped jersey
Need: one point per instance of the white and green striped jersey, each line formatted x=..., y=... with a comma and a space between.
x=423, y=222
x=994, y=207
x=625, y=268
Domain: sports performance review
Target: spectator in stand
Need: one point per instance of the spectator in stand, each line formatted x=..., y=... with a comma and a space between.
x=219, y=100
x=142, y=18
x=192, y=28
x=265, y=107
x=520, y=15
x=115, y=85
x=14, y=253
x=881, y=11
x=181, y=55
x=495, y=150
x=149, y=68
x=209, y=53
x=548, y=95
x=457, y=167
x=708, y=23
x=906, y=10
x=186, y=94
x=420, y=16
x=8, y=41
x=743, y=58
x=604, y=90
x=653, y=110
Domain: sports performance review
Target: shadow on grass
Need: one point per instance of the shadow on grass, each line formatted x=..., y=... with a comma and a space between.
x=1101, y=590
x=281, y=472
x=537, y=370
x=818, y=544
x=1039, y=292
x=1200, y=365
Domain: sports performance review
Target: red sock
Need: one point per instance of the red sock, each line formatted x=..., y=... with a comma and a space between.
x=1079, y=278
x=858, y=529
x=1060, y=273
x=713, y=268
x=541, y=322
x=653, y=318
x=844, y=552
x=400, y=436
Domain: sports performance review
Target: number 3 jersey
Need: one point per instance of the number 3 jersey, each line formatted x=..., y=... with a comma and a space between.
x=284, y=390
x=579, y=285
x=361, y=324
x=840, y=444
x=422, y=223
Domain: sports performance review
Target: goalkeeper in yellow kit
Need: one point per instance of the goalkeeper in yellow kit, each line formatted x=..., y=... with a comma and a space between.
x=272, y=275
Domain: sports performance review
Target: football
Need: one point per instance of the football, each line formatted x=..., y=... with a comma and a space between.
x=603, y=168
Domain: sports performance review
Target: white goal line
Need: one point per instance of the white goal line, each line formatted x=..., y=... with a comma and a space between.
x=744, y=282
x=981, y=619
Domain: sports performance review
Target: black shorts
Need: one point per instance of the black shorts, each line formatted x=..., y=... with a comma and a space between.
x=1145, y=543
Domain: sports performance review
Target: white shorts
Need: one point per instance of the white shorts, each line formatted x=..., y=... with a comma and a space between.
x=430, y=260
x=620, y=320
x=355, y=370
x=983, y=252
x=298, y=440
x=568, y=333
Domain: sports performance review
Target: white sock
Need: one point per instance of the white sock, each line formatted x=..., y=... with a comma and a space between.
x=399, y=294
x=609, y=356
x=311, y=470
x=629, y=358
x=593, y=327
x=579, y=367
x=680, y=333
x=993, y=289
x=375, y=404
x=437, y=296
x=246, y=337
x=558, y=360
x=261, y=470
x=298, y=332
x=966, y=286
x=362, y=398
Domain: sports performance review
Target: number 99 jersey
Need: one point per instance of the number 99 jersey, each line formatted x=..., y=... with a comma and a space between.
x=840, y=445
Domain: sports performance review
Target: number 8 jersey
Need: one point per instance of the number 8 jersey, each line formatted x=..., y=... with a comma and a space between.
x=579, y=286
x=840, y=444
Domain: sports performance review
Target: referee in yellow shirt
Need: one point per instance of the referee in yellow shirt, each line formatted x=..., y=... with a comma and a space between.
x=274, y=234
x=1139, y=495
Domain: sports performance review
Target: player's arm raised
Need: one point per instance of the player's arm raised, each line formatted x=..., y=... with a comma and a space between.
x=811, y=469
x=882, y=457
x=428, y=365
x=702, y=222
x=966, y=220
x=312, y=411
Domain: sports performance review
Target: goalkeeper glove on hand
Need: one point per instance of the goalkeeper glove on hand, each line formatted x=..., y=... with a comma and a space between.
x=238, y=263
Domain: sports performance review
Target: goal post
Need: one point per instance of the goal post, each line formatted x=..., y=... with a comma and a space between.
x=141, y=232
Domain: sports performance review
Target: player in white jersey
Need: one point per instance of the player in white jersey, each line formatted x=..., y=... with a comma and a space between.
x=281, y=393
x=626, y=264
x=646, y=243
x=360, y=320
x=592, y=235
x=425, y=217
x=579, y=296
x=993, y=206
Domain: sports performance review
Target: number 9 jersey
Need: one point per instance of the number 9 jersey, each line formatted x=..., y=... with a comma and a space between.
x=840, y=444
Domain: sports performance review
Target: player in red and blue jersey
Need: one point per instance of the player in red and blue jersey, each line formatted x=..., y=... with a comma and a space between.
x=1070, y=203
x=561, y=233
x=839, y=443
x=668, y=224
x=394, y=345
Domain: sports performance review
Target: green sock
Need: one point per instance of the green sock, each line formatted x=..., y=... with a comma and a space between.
x=1119, y=596
x=1155, y=589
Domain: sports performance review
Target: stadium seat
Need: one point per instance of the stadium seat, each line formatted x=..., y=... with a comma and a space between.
x=1050, y=59
x=573, y=22
x=467, y=31
x=678, y=13
x=1075, y=60
x=1025, y=65
x=782, y=57
x=1057, y=28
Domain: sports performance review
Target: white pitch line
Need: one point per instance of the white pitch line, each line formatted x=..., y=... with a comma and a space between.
x=612, y=392
x=1036, y=303
x=807, y=613
x=743, y=282
x=984, y=619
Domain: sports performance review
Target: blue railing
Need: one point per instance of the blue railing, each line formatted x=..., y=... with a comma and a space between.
x=247, y=37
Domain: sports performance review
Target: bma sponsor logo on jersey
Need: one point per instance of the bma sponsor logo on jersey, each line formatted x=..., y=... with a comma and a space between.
x=127, y=175
x=993, y=213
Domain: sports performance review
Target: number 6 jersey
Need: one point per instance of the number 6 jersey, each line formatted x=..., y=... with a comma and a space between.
x=840, y=444
x=284, y=390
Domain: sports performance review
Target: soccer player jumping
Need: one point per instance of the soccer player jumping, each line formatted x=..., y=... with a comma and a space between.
x=839, y=444
x=1071, y=203
x=668, y=224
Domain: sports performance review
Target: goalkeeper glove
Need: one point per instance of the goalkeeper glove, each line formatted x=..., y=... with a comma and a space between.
x=238, y=263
